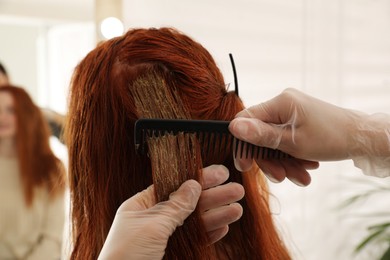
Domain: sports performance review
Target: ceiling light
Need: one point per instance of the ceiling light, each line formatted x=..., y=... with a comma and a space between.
x=111, y=27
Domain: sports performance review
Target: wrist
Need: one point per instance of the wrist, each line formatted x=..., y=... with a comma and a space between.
x=371, y=135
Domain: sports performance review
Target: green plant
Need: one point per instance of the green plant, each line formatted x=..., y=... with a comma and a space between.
x=380, y=232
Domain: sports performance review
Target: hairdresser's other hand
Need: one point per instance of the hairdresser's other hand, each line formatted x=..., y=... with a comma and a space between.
x=219, y=202
x=300, y=125
x=141, y=228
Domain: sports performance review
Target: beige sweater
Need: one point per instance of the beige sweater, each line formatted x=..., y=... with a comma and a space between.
x=28, y=232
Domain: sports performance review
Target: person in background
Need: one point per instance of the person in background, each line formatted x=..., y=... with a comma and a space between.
x=55, y=120
x=32, y=181
x=312, y=130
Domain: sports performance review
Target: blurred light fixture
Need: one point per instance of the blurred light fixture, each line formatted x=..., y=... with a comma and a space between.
x=111, y=27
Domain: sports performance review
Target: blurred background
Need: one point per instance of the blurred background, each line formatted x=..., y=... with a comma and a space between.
x=336, y=50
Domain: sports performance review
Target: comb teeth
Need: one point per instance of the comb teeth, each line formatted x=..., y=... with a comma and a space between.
x=213, y=136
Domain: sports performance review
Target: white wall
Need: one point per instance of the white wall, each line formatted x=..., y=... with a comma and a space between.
x=19, y=53
x=40, y=56
x=67, y=44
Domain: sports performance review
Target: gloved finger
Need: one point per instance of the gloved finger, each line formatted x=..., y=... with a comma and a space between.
x=217, y=218
x=180, y=205
x=296, y=173
x=217, y=234
x=297, y=170
x=220, y=195
x=273, y=169
x=259, y=111
x=214, y=175
x=242, y=156
x=243, y=164
x=140, y=201
x=247, y=130
x=294, y=169
x=308, y=165
x=257, y=132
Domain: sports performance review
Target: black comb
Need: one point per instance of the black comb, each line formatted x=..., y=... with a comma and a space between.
x=213, y=134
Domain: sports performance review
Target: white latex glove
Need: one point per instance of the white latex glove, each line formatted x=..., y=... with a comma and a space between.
x=141, y=227
x=312, y=130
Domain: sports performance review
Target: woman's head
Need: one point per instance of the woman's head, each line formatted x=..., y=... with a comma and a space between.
x=159, y=73
x=26, y=125
x=23, y=113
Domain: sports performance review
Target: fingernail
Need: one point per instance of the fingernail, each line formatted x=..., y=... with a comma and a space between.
x=217, y=174
x=237, y=165
x=194, y=187
x=270, y=177
x=296, y=182
x=242, y=128
x=222, y=174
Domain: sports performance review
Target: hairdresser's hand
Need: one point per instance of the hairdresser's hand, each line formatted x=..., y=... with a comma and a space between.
x=141, y=227
x=302, y=126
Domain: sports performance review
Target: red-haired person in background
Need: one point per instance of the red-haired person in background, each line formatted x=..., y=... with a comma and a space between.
x=56, y=121
x=32, y=181
x=156, y=73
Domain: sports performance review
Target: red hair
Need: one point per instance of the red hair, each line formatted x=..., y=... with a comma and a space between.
x=109, y=93
x=39, y=167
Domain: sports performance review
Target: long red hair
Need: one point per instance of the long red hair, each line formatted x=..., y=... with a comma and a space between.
x=154, y=73
x=39, y=167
